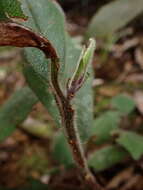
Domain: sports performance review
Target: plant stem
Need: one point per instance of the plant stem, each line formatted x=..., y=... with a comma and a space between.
x=70, y=128
x=13, y=34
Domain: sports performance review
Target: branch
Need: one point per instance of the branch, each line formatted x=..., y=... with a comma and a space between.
x=12, y=34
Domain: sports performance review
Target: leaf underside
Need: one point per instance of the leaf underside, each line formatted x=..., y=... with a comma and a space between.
x=15, y=110
x=132, y=142
x=47, y=18
x=113, y=17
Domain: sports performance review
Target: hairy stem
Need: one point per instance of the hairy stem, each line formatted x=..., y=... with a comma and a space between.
x=70, y=128
x=12, y=34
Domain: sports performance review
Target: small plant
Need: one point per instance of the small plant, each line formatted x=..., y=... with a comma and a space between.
x=59, y=75
x=14, y=34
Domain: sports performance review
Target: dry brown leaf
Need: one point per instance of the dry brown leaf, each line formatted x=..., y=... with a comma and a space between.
x=121, y=177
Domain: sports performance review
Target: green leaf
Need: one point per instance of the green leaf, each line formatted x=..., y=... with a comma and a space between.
x=123, y=103
x=84, y=106
x=61, y=151
x=15, y=110
x=132, y=142
x=11, y=9
x=42, y=90
x=104, y=125
x=46, y=17
x=106, y=157
x=114, y=16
